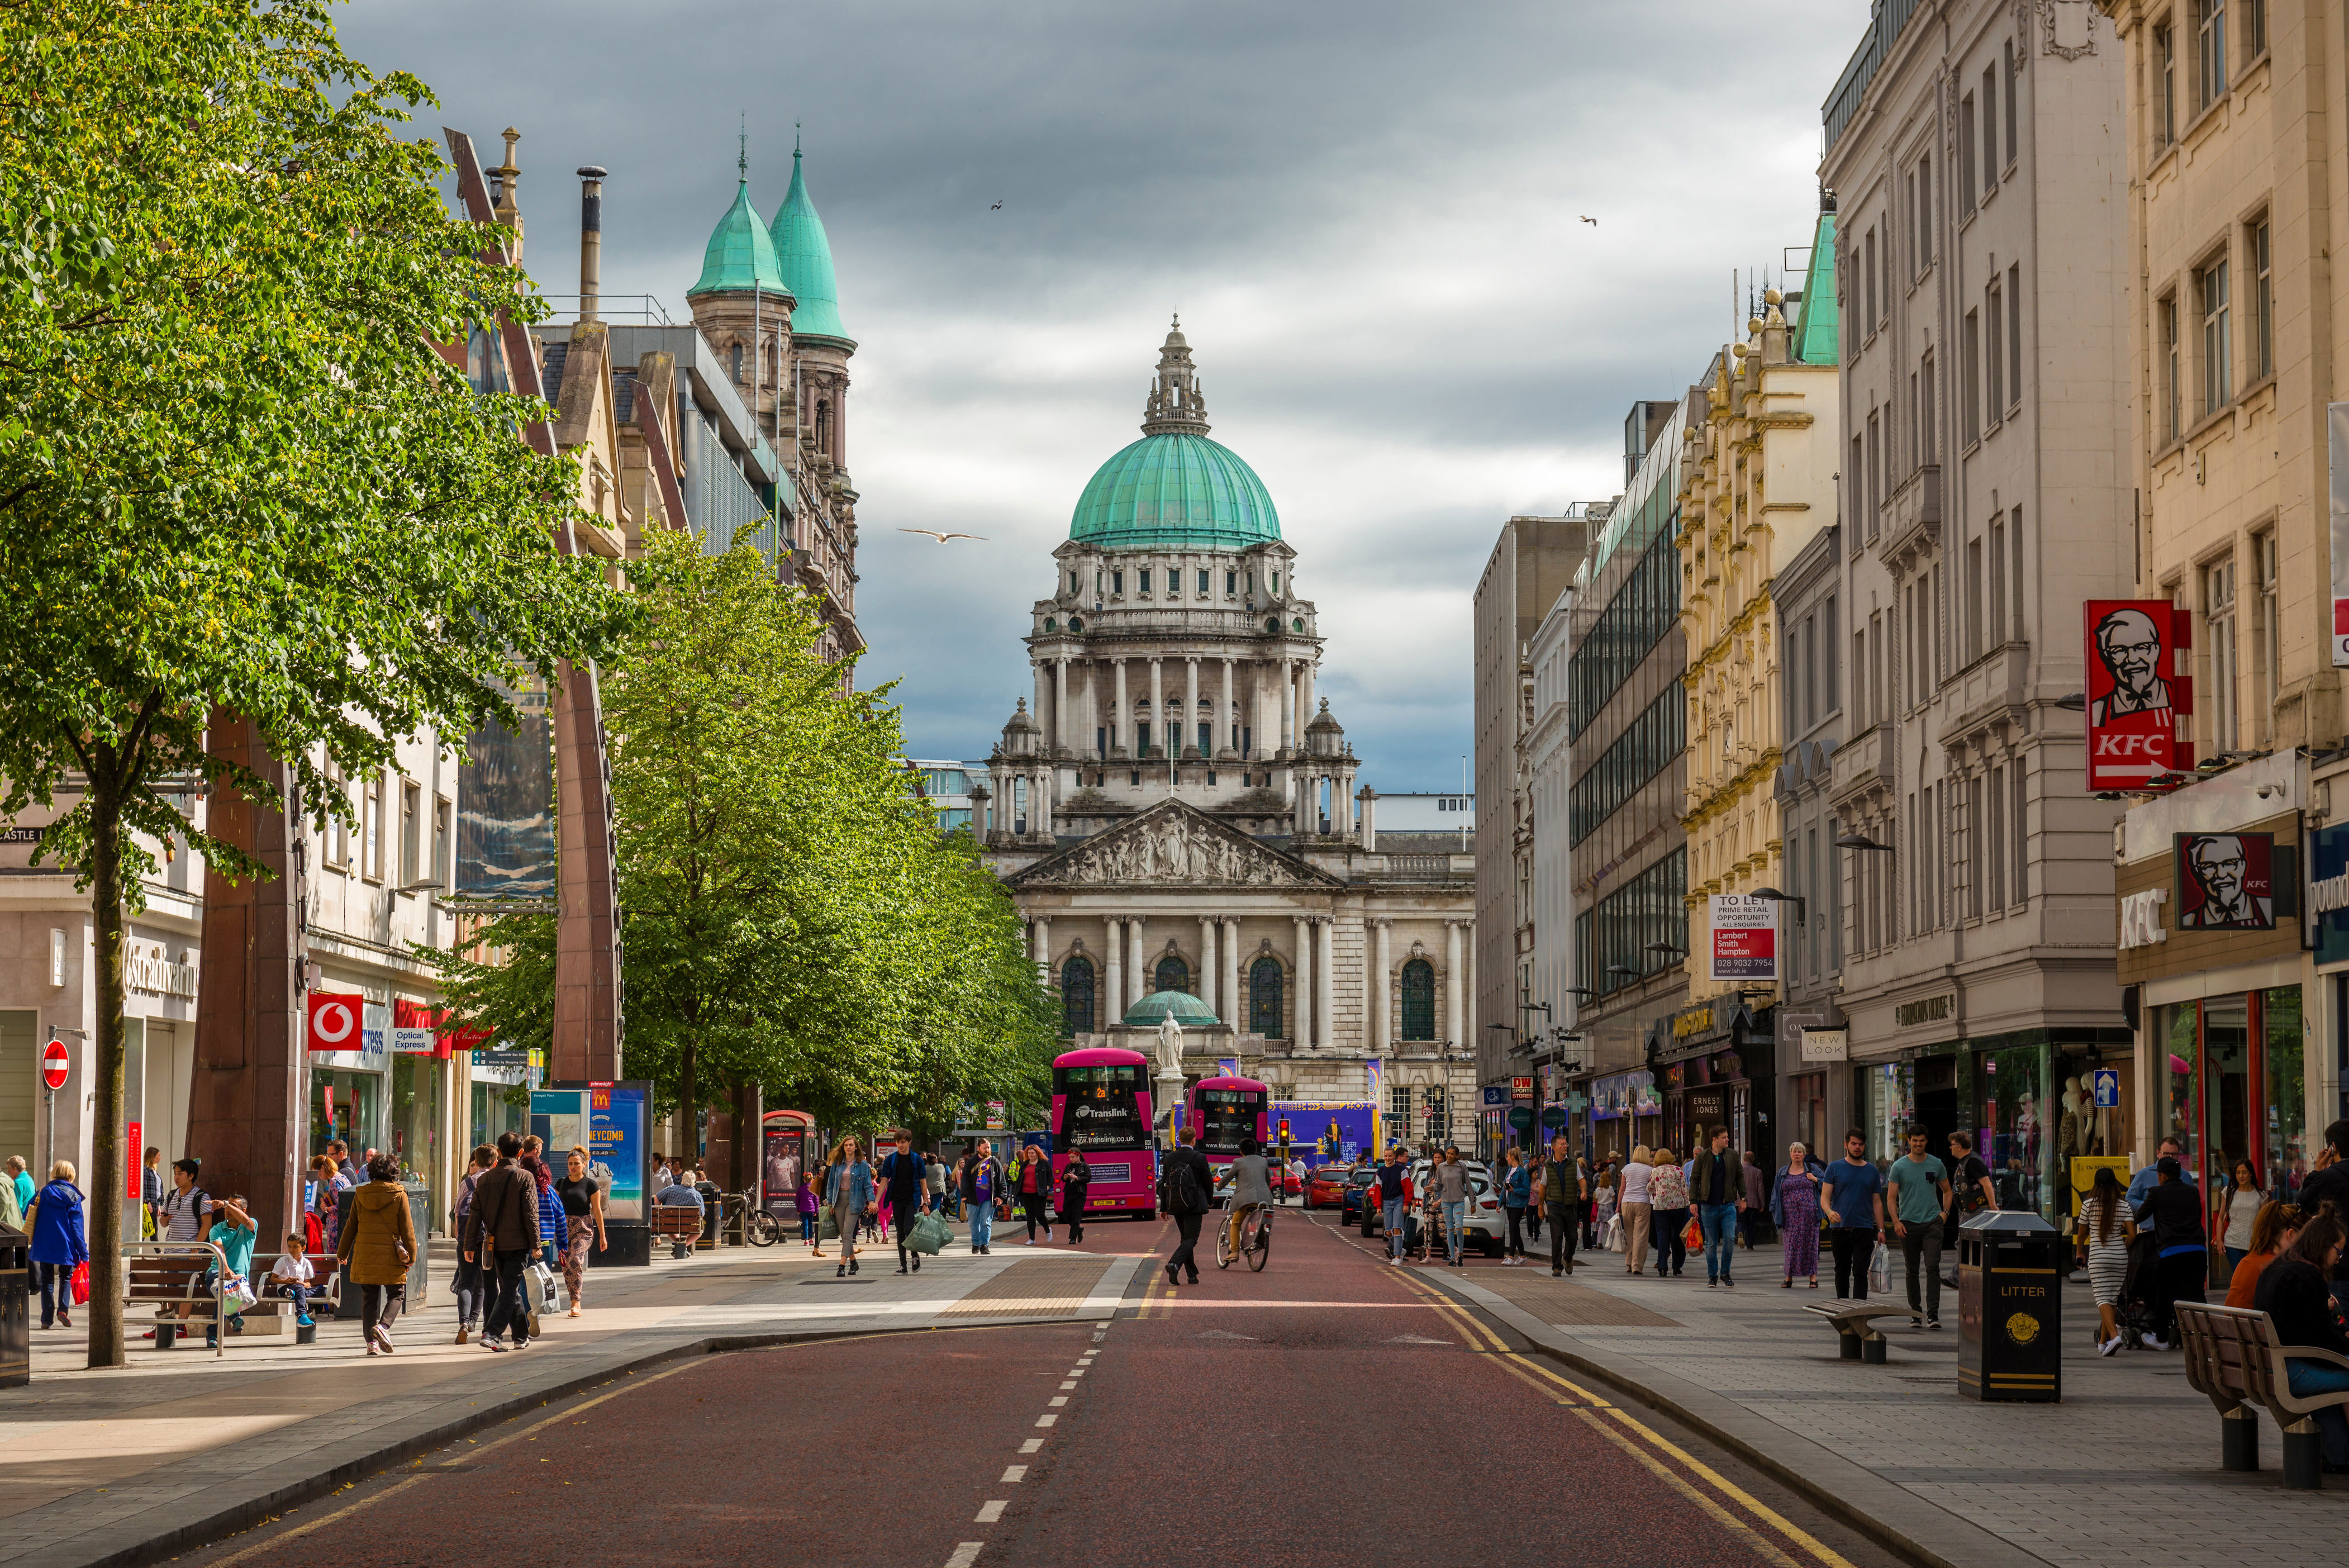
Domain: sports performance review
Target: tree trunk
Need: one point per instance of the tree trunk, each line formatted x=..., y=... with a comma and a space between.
x=687, y=1106
x=106, y=1175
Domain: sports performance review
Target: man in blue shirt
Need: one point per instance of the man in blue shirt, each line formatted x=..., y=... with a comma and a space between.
x=2148, y=1177
x=1854, y=1198
x=1916, y=1191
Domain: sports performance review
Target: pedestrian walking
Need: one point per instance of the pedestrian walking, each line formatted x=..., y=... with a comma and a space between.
x=2181, y=1250
x=1187, y=1188
x=1794, y=1195
x=982, y=1179
x=21, y=1179
x=1450, y=1181
x=934, y=1180
x=502, y=1234
x=1668, y=1212
x=1075, y=1182
x=2295, y=1293
x=1394, y=1196
x=904, y=1183
x=1516, y=1193
x=2233, y=1210
x=581, y=1197
x=1918, y=1196
x=1637, y=1212
x=150, y=1191
x=2105, y=1219
x=554, y=1231
x=1717, y=1183
x=1603, y=1202
x=1561, y=1193
x=60, y=1243
x=1034, y=1185
x=470, y=1286
x=804, y=1204
x=375, y=1249
x=1536, y=1170
x=1851, y=1192
x=848, y=1193
x=1756, y=1212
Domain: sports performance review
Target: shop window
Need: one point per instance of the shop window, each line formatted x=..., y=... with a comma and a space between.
x=1419, y=999
x=1891, y=1100
x=1264, y=998
x=1076, y=997
x=2010, y=1124
x=2286, y=1143
x=2183, y=1030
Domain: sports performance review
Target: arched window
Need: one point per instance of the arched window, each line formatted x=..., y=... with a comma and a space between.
x=1419, y=999
x=1076, y=997
x=824, y=428
x=1172, y=974
x=1264, y=998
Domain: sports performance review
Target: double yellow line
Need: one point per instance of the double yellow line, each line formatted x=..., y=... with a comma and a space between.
x=1738, y=1511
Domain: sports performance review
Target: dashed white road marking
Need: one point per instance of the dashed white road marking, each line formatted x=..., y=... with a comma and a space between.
x=1070, y=1383
x=1059, y=1399
x=1015, y=1472
x=1047, y=1421
x=1031, y=1445
x=965, y=1554
x=988, y=1512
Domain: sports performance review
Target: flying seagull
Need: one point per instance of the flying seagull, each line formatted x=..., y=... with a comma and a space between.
x=997, y=207
x=1588, y=219
x=942, y=538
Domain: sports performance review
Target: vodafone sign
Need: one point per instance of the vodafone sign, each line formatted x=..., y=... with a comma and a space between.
x=335, y=1019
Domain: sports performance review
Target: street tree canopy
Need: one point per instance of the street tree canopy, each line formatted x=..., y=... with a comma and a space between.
x=236, y=478
x=793, y=916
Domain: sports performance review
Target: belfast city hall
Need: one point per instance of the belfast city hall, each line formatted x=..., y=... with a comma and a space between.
x=1180, y=820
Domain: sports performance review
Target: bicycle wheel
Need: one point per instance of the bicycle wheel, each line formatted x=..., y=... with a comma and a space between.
x=762, y=1230
x=1259, y=1246
x=1223, y=1241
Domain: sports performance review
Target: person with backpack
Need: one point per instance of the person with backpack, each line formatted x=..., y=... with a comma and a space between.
x=904, y=1181
x=1971, y=1189
x=982, y=1179
x=1394, y=1195
x=1188, y=1182
x=1075, y=1182
x=501, y=1234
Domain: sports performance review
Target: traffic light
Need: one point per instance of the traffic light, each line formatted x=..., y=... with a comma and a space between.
x=1284, y=1129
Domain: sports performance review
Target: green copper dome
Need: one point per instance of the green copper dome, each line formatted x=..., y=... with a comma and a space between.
x=1179, y=1005
x=803, y=252
x=1180, y=491
x=742, y=255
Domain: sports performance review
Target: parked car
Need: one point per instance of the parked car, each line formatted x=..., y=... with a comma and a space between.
x=1358, y=1181
x=1281, y=1182
x=1486, y=1225
x=1326, y=1188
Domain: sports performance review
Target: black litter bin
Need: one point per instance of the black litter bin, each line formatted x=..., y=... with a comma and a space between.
x=2011, y=1268
x=15, y=1307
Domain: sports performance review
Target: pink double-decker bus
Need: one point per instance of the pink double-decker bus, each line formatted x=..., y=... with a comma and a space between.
x=1226, y=1109
x=1101, y=1107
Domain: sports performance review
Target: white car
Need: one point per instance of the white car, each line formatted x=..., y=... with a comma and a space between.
x=1486, y=1224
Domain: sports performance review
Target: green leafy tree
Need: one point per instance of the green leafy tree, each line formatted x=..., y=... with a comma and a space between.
x=794, y=918
x=234, y=475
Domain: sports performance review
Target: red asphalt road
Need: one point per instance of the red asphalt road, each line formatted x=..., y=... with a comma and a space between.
x=1323, y=1413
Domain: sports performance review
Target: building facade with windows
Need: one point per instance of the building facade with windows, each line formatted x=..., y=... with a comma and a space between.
x=2235, y=317
x=1976, y=158
x=1179, y=812
x=1626, y=725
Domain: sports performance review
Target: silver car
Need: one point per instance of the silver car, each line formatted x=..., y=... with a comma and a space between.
x=1483, y=1220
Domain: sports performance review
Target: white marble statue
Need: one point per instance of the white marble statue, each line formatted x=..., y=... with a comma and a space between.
x=1170, y=1047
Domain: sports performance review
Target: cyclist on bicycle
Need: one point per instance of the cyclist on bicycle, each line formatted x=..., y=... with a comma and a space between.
x=1251, y=1187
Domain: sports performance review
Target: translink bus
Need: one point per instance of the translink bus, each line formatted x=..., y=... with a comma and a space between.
x=1101, y=1107
x=1225, y=1110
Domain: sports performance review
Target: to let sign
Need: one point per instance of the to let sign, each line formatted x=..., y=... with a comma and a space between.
x=1744, y=938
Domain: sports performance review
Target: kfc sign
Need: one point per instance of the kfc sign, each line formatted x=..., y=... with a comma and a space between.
x=2140, y=696
x=2225, y=882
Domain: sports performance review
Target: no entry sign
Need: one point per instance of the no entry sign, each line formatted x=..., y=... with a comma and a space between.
x=54, y=1063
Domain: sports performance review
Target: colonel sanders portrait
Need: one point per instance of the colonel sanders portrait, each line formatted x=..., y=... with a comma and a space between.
x=2129, y=645
x=2221, y=870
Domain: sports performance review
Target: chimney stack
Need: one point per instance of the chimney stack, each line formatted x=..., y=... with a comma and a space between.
x=591, y=239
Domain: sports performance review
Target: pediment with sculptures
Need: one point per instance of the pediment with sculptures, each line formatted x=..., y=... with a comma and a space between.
x=1172, y=845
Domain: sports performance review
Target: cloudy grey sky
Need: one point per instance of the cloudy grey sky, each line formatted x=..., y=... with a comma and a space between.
x=1368, y=214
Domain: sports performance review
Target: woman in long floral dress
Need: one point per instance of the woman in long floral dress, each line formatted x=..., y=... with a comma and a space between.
x=1794, y=1208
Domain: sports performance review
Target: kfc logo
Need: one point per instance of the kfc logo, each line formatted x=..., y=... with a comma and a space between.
x=2138, y=700
x=2223, y=882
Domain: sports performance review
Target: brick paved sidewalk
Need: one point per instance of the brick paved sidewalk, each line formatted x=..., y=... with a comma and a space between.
x=2129, y=1458
x=125, y=1464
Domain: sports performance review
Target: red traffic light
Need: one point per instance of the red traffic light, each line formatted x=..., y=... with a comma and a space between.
x=1284, y=1129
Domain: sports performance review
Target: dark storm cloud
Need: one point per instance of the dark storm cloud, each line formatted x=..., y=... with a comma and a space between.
x=1367, y=213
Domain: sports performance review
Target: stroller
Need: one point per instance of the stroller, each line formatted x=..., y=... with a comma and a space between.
x=2134, y=1311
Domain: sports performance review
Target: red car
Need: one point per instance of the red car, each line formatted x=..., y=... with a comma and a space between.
x=1326, y=1189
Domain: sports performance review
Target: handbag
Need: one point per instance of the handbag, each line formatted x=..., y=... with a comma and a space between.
x=81, y=1282
x=1613, y=1241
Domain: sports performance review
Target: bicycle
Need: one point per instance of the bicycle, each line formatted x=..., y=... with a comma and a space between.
x=1256, y=1237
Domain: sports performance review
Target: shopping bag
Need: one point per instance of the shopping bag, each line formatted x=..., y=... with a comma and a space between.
x=827, y=1227
x=1614, y=1241
x=80, y=1283
x=1879, y=1271
x=930, y=1234
x=538, y=1284
x=1694, y=1237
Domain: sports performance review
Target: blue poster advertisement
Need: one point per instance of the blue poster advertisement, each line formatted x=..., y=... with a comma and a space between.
x=616, y=1125
x=1328, y=1132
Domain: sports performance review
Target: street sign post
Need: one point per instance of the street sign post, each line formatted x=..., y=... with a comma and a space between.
x=55, y=1063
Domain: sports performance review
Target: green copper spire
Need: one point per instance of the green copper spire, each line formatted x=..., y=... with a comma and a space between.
x=1815, y=323
x=804, y=254
x=740, y=254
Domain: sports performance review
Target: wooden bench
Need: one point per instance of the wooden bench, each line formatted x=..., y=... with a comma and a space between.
x=2233, y=1360
x=681, y=1227
x=1855, y=1325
